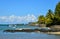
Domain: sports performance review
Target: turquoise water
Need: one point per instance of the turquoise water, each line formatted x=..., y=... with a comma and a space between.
x=24, y=35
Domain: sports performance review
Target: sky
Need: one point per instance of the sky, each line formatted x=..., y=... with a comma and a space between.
x=24, y=11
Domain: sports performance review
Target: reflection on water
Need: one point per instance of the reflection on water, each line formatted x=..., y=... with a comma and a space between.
x=25, y=35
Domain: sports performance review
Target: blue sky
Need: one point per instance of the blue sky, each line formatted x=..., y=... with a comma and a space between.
x=25, y=7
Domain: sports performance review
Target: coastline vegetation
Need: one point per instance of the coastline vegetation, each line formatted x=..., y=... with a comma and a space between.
x=51, y=18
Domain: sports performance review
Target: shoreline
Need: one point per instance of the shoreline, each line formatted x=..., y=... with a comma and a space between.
x=52, y=33
x=30, y=30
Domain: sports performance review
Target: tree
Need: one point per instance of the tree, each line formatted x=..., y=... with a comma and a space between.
x=57, y=10
x=50, y=14
x=41, y=19
x=57, y=14
x=49, y=17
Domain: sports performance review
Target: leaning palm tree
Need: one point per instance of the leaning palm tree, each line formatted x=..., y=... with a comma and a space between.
x=49, y=17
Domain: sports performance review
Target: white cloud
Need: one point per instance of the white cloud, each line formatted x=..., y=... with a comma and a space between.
x=17, y=19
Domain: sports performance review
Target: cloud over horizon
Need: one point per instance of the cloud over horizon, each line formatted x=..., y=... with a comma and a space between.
x=17, y=19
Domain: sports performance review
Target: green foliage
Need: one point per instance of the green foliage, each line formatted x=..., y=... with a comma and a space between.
x=51, y=18
x=57, y=10
x=57, y=14
x=48, y=21
x=41, y=19
x=50, y=14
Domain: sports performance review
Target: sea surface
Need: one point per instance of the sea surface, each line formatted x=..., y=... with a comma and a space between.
x=24, y=35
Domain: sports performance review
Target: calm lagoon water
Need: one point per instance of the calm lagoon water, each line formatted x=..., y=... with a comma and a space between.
x=24, y=35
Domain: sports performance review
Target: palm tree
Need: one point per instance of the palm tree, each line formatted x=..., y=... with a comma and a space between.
x=41, y=19
x=49, y=17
